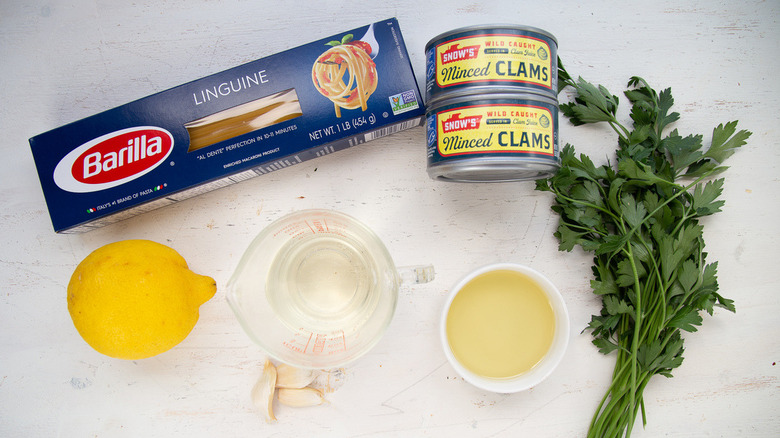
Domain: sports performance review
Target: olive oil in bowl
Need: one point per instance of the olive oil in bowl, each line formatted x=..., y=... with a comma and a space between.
x=501, y=324
x=505, y=327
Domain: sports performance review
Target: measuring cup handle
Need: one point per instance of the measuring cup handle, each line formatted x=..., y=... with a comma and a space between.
x=416, y=274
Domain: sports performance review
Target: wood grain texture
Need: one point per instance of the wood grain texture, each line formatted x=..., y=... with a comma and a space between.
x=61, y=61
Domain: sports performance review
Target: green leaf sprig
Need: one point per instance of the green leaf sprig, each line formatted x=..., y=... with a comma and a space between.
x=640, y=218
x=344, y=40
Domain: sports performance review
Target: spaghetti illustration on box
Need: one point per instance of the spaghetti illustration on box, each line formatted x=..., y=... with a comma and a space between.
x=346, y=73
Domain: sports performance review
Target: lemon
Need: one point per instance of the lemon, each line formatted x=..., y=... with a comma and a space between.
x=135, y=299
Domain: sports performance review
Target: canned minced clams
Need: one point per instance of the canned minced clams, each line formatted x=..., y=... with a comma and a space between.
x=493, y=138
x=498, y=58
x=492, y=104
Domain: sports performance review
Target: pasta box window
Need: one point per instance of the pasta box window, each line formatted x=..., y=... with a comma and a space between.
x=263, y=116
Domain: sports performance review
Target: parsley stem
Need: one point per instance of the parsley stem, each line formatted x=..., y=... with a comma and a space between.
x=638, y=320
x=584, y=228
x=560, y=194
x=621, y=130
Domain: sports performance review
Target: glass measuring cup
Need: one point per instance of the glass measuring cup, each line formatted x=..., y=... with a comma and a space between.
x=317, y=289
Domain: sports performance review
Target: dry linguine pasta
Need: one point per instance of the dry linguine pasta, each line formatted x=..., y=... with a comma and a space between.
x=242, y=119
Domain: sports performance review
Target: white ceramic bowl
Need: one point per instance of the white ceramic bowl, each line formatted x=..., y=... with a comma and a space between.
x=548, y=363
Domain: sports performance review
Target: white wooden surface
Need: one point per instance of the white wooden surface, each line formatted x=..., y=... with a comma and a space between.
x=61, y=61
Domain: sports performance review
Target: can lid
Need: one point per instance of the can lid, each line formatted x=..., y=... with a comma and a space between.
x=476, y=94
x=490, y=27
x=493, y=169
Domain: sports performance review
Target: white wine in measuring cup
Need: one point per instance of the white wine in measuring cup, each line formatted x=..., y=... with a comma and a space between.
x=317, y=289
x=323, y=283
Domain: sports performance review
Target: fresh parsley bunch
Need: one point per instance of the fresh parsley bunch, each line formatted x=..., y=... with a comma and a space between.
x=640, y=217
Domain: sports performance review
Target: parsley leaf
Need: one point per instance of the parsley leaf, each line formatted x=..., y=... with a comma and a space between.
x=704, y=197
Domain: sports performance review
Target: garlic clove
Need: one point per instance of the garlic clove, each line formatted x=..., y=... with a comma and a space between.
x=289, y=376
x=263, y=392
x=300, y=397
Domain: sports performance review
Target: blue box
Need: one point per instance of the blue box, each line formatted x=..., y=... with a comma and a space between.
x=250, y=120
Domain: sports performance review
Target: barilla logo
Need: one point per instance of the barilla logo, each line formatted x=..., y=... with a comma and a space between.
x=455, y=53
x=113, y=159
x=456, y=123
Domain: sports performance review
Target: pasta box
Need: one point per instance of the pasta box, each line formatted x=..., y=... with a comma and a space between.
x=262, y=116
